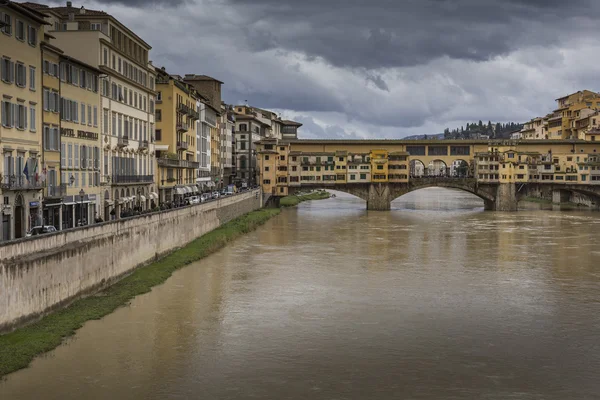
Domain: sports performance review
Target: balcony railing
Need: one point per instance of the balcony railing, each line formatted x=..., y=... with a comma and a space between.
x=57, y=190
x=194, y=114
x=20, y=182
x=168, y=162
x=123, y=141
x=182, y=127
x=143, y=144
x=183, y=145
x=182, y=108
x=117, y=179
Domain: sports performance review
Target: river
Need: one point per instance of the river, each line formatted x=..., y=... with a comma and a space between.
x=436, y=299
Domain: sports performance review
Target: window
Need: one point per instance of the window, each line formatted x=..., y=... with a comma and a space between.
x=158, y=134
x=32, y=35
x=7, y=24
x=282, y=158
x=159, y=96
x=105, y=122
x=76, y=156
x=32, y=118
x=105, y=88
x=125, y=94
x=63, y=155
x=7, y=114
x=8, y=70
x=158, y=115
x=266, y=169
x=21, y=75
x=105, y=53
x=363, y=176
x=51, y=138
x=267, y=181
x=114, y=62
x=32, y=78
x=20, y=30
x=267, y=158
x=89, y=109
x=70, y=154
x=119, y=64
x=20, y=116
x=96, y=27
x=83, y=113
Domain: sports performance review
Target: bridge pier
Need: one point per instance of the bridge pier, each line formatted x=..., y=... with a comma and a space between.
x=506, y=198
x=379, y=198
x=560, y=196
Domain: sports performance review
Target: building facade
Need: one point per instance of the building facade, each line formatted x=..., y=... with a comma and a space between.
x=126, y=114
x=21, y=178
x=176, y=138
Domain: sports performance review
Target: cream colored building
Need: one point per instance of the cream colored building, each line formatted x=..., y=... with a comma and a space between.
x=21, y=177
x=126, y=113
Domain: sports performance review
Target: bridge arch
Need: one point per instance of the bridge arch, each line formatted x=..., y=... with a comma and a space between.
x=357, y=190
x=485, y=195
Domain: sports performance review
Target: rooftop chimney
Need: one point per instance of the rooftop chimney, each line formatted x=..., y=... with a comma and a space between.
x=82, y=10
x=69, y=4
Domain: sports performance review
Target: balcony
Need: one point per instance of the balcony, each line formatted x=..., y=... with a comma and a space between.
x=123, y=141
x=143, y=144
x=182, y=127
x=183, y=145
x=20, y=182
x=129, y=179
x=194, y=114
x=184, y=109
x=167, y=162
x=57, y=191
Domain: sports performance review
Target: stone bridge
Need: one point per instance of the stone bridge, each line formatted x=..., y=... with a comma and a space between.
x=379, y=196
x=496, y=196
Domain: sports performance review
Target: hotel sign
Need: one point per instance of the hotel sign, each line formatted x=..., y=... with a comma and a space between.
x=80, y=134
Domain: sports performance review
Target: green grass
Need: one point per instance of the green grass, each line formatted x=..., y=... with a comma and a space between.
x=18, y=348
x=290, y=201
x=537, y=200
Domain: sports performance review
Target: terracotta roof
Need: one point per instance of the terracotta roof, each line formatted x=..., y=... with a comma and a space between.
x=201, y=78
x=65, y=11
x=288, y=122
x=31, y=12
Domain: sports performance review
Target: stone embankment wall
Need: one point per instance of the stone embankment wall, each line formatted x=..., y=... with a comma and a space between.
x=40, y=274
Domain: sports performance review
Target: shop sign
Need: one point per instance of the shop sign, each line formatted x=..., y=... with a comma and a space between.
x=34, y=204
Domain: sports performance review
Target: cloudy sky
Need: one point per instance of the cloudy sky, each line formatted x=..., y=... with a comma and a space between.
x=377, y=68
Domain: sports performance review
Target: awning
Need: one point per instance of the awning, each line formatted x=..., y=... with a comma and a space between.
x=194, y=188
x=178, y=190
x=109, y=202
x=142, y=197
x=153, y=196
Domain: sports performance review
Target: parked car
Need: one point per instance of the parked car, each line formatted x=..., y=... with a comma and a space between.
x=40, y=230
x=194, y=200
x=215, y=195
x=204, y=197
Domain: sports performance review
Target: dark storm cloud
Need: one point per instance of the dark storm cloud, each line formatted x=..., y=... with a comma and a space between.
x=146, y=3
x=391, y=33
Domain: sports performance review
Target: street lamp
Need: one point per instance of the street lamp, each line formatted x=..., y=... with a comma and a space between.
x=81, y=194
x=72, y=180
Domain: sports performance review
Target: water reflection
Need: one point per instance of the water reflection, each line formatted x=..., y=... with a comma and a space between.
x=437, y=299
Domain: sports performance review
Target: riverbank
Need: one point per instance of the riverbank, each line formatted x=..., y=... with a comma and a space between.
x=547, y=204
x=290, y=201
x=19, y=348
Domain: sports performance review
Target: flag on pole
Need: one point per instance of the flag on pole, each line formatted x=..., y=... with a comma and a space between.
x=35, y=171
x=26, y=170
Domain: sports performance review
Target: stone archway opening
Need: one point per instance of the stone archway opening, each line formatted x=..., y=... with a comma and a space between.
x=417, y=169
x=439, y=198
x=437, y=168
x=460, y=169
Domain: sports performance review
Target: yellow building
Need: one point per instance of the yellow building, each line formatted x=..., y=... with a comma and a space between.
x=55, y=189
x=563, y=124
x=341, y=166
x=398, y=166
x=379, y=165
x=176, y=119
x=267, y=165
x=80, y=143
x=21, y=178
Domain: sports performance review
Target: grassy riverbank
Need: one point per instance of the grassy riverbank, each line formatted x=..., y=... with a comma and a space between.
x=290, y=201
x=18, y=348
